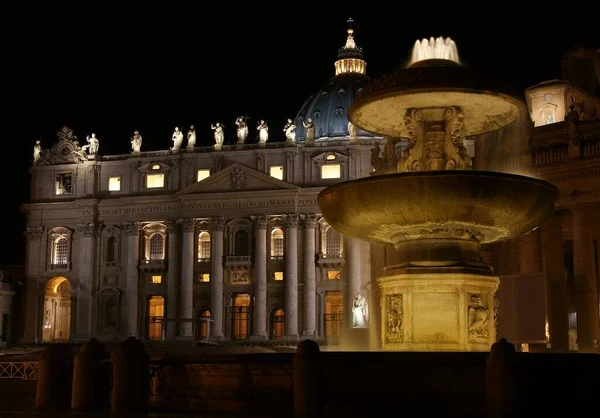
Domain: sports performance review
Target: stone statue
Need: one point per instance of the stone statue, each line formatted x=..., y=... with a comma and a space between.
x=263, y=132
x=242, y=129
x=310, y=129
x=360, y=312
x=219, y=134
x=177, y=139
x=457, y=157
x=92, y=146
x=37, y=151
x=352, y=130
x=136, y=142
x=572, y=119
x=290, y=131
x=395, y=318
x=191, y=138
x=479, y=317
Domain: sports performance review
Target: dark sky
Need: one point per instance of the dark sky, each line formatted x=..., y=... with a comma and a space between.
x=113, y=70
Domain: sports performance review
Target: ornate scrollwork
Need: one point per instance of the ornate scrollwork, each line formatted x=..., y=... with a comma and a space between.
x=394, y=320
x=66, y=150
x=309, y=220
x=218, y=223
x=479, y=318
x=86, y=230
x=260, y=222
x=34, y=232
x=188, y=224
x=292, y=220
x=130, y=228
x=457, y=157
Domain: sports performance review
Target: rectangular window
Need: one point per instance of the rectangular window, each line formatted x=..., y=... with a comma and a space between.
x=202, y=174
x=276, y=171
x=154, y=181
x=333, y=275
x=63, y=184
x=157, y=279
x=278, y=276
x=331, y=171
x=204, y=278
x=114, y=184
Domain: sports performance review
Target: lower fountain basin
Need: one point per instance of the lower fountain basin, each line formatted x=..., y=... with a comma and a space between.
x=476, y=205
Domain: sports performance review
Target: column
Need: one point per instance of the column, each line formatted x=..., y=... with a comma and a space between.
x=354, y=274
x=131, y=231
x=172, y=278
x=310, y=284
x=586, y=292
x=33, y=320
x=530, y=252
x=216, y=277
x=321, y=314
x=260, y=277
x=84, y=241
x=291, y=277
x=557, y=285
x=187, y=279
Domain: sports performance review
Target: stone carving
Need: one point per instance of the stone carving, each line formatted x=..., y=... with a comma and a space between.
x=219, y=134
x=130, y=228
x=376, y=160
x=85, y=229
x=310, y=129
x=188, y=224
x=66, y=150
x=390, y=158
x=260, y=222
x=37, y=151
x=408, y=160
x=292, y=220
x=309, y=220
x=238, y=178
x=395, y=316
x=263, y=132
x=479, y=318
x=136, y=142
x=352, y=130
x=172, y=226
x=218, y=223
x=34, y=232
x=112, y=231
x=242, y=129
x=496, y=312
x=572, y=119
x=66, y=134
x=457, y=157
x=191, y=138
x=177, y=139
x=290, y=131
x=360, y=312
x=93, y=145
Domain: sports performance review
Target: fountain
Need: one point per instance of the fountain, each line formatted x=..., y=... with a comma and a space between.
x=434, y=208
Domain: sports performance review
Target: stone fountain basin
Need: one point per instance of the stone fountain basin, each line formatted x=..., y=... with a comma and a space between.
x=394, y=208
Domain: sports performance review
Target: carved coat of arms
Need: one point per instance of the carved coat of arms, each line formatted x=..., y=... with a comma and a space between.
x=238, y=178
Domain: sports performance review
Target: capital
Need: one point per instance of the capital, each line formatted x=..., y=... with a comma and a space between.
x=34, y=232
x=260, y=222
x=172, y=226
x=292, y=220
x=85, y=230
x=188, y=225
x=130, y=228
x=218, y=223
x=309, y=220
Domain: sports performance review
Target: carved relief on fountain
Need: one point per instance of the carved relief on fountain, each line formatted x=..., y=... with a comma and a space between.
x=479, y=318
x=457, y=157
x=394, y=332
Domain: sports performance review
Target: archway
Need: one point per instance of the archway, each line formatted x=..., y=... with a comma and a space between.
x=57, y=310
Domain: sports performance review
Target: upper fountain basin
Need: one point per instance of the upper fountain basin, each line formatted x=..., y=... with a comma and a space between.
x=393, y=208
x=486, y=102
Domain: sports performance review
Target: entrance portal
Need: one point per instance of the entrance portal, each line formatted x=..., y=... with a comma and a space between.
x=156, y=315
x=57, y=311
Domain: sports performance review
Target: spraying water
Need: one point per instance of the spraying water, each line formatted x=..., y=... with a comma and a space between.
x=434, y=48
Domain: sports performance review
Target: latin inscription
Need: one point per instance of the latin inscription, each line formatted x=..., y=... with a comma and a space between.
x=183, y=207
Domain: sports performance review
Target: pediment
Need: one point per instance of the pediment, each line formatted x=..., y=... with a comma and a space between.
x=330, y=157
x=237, y=178
x=154, y=166
x=548, y=106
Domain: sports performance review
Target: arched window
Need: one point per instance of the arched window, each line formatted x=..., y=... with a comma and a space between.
x=241, y=243
x=204, y=246
x=277, y=243
x=157, y=247
x=61, y=251
x=333, y=244
x=111, y=250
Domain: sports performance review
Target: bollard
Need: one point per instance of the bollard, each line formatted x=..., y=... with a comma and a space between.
x=501, y=381
x=308, y=380
x=131, y=378
x=91, y=379
x=53, y=390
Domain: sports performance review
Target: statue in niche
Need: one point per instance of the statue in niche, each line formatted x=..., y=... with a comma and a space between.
x=191, y=138
x=376, y=160
x=37, y=151
x=219, y=134
x=177, y=139
x=310, y=129
x=360, y=312
x=352, y=130
x=394, y=319
x=47, y=316
x=136, y=142
x=572, y=119
x=263, y=132
x=290, y=131
x=93, y=145
x=479, y=318
x=242, y=129
x=457, y=157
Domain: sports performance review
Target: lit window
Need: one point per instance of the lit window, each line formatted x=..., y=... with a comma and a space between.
x=63, y=183
x=276, y=171
x=114, y=184
x=203, y=174
x=277, y=243
x=547, y=97
x=204, y=278
x=548, y=117
x=333, y=242
x=278, y=276
x=333, y=275
x=330, y=157
x=204, y=246
x=157, y=247
x=155, y=181
x=61, y=251
x=331, y=171
x=157, y=279
x=155, y=167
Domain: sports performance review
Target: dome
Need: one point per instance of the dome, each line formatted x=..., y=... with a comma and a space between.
x=328, y=106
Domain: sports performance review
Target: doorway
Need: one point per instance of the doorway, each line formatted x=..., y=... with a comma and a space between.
x=56, y=325
x=240, y=315
x=277, y=324
x=156, y=315
x=334, y=311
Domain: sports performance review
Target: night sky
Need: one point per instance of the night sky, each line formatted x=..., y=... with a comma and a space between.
x=112, y=71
